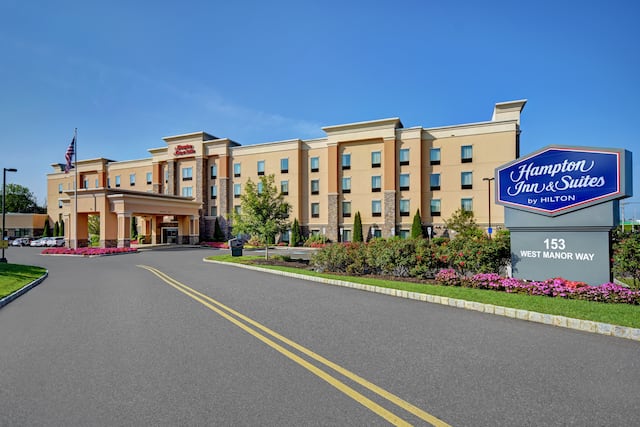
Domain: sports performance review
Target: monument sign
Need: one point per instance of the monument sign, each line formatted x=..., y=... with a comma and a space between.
x=561, y=204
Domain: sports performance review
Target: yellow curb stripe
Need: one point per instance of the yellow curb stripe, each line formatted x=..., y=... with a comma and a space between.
x=363, y=400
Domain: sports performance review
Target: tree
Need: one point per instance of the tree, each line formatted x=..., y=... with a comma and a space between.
x=416, y=227
x=263, y=213
x=463, y=222
x=56, y=229
x=47, y=228
x=626, y=258
x=134, y=228
x=218, y=236
x=20, y=199
x=296, y=235
x=357, y=228
x=61, y=230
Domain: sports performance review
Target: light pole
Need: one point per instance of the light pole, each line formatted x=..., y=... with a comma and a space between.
x=489, y=230
x=4, y=195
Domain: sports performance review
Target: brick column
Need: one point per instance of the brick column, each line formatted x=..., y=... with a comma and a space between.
x=333, y=215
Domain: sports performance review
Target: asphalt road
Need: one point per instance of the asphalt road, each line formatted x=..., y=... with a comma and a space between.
x=105, y=342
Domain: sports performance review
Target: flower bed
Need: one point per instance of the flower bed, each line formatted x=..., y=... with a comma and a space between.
x=217, y=245
x=556, y=287
x=88, y=251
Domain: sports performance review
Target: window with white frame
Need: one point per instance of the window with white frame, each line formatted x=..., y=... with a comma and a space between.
x=214, y=191
x=284, y=187
x=404, y=156
x=466, y=180
x=346, y=184
x=187, y=174
x=284, y=165
x=214, y=171
x=376, y=208
x=237, y=189
x=376, y=183
x=315, y=186
x=404, y=181
x=149, y=177
x=214, y=211
x=60, y=188
x=434, y=156
x=117, y=180
x=132, y=179
x=236, y=170
x=466, y=204
x=315, y=164
x=260, y=167
x=346, y=161
x=434, y=181
x=376, y=159
x=259, y=187
x=405, y=207
x=187, y=191
x=435, y=207
x=466, y=153
x=346, y=209
x=315, y=210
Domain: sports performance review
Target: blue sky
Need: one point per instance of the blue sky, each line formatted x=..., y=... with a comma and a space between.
x=127, y=74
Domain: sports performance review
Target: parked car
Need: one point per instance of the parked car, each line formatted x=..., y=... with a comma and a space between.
x=55, y=241
x=21, y=241
x=39, y=242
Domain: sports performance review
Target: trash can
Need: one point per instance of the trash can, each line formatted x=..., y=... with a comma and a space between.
x=236, y=247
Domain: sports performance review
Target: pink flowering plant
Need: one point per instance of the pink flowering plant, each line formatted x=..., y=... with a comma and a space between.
x=88, y=251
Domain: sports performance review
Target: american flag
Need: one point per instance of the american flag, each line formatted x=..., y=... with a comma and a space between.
x=69, y=154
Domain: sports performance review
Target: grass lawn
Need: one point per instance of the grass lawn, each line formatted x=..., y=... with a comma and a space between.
x=616, y=314
x=15, y=276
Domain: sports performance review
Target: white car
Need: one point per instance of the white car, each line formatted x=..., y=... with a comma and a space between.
x=39, y=242
x=21, y=241
x=55, y=241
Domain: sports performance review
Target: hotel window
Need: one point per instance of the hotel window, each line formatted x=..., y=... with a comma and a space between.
x=149, y=177
x=346, y=235
x=59, y=188
x=434, y=156
x=466, y=205
x=435, y=207
x=466, y=153
x=376, y=159
x=315, y=210
x=260, y=167
x=214, y=171
x=132, y=179
x=108, y=182
x=166, y=175
x=315, y=164
x=315, y=186
x=404, y=181
x=214, y=191
x=85, y=183
x=346, y=209
x=466, y=180
x=376, y=183
x=376, y=208
x=187, y=191
x=214, y=211
x=259, y=187
x=59, y=203
x=237, y=209
x=117, y=180
x=284, y=165
x=346, y=161
x=404, y=156
x=404, y=234
x=236, y=170
x=236, y=190
x=96, y=183
x=405, y=207
x=376, y=232
x=346, y=185
x=284, y=188
x=187, y=174
x=434, y=181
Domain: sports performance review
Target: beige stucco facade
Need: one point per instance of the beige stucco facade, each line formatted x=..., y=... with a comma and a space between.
x=378, y=168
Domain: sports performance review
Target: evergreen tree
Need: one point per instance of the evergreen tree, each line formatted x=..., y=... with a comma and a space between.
x=134, y=228
x=61, y=229
x=47, y=228
x=357, y=228
x=416, y=227
x=218, y=236
x=56, y=229
x=296, y=235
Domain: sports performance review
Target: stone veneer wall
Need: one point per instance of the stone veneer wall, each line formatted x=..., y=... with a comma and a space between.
x=389, y=213
x=171, y=177
x=333, y=215
x=224, y=213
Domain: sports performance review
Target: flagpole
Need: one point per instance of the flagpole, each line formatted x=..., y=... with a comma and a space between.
x=75, y=166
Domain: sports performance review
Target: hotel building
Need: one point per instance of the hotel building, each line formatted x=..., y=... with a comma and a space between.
x=378, y=168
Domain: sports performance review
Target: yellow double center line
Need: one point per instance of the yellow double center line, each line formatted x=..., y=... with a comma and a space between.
x=228, y=313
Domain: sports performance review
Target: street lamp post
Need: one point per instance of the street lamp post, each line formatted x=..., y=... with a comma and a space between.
x=4, y=195
x=489, y=230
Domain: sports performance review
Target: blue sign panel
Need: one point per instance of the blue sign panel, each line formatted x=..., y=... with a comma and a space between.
x=556, y=179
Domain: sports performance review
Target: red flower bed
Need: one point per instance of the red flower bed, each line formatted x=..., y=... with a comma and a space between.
x=217, y=245
x=88, y=251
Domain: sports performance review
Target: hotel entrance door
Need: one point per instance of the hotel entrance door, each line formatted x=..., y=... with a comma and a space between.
x=170, y=235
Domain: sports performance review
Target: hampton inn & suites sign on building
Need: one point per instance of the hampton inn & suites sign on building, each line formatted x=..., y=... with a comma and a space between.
x=561, y=204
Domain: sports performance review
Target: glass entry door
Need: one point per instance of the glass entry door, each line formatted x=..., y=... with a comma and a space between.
x=170, y=235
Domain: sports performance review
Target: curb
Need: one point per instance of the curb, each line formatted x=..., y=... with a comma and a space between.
x=6, y=300
x=530, y=316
